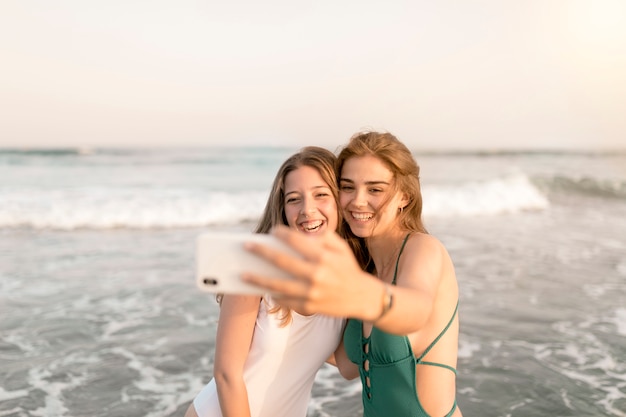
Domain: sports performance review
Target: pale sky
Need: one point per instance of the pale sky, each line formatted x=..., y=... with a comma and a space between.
x=439, y=74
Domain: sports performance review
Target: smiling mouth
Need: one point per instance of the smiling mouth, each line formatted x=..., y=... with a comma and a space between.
x=311, y=226
x=362, y=217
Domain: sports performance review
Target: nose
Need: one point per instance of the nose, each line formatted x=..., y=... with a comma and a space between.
x=359, y=199
x=308, y=206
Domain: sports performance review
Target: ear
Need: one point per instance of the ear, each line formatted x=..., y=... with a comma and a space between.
x=404, y=200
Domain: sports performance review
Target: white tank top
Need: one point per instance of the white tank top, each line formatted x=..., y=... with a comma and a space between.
x=281, y=365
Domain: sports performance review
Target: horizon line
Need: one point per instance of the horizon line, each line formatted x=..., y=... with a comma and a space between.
x=486, y=151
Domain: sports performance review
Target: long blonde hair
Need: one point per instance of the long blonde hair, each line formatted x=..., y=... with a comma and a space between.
x=399, y=160
x=315, y=157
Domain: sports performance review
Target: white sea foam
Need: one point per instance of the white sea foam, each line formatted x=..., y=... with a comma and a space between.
x=331, y=388
x=9, y=395
x=165, y=393
x=589, y=360
x=42, y=378
x=148, y=208
x=125, y=208
x=496, y=196
x=467, y=349
x=620, y=321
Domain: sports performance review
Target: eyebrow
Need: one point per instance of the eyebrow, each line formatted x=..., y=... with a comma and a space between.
x=366, y=182
x=313, y=188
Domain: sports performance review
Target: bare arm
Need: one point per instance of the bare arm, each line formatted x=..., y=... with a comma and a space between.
x=330, y=281
x=234, y=336
x=340, y=359
x=346, y=368
x=419, y=276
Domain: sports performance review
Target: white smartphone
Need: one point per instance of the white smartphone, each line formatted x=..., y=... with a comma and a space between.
x=221, y=259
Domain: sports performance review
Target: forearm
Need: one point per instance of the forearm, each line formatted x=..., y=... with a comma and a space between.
x=405, y=303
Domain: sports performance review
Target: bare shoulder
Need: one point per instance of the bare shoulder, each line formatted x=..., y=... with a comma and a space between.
x=422, y=244
x=424, y=260
x=430, y=254
x=239, y=303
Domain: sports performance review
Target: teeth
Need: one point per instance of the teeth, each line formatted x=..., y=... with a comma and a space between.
x=310, y=226
x=362, y=216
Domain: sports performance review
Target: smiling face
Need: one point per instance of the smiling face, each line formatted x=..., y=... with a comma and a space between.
x=367, y=196
x=309, y=203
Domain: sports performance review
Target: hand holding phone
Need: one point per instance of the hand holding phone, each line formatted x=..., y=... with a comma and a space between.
x=221, y=259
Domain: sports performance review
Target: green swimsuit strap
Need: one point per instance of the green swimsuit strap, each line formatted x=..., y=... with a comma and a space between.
x=395, y=273
x=419, y=360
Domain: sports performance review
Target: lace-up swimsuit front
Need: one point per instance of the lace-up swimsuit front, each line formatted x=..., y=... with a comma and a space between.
x=389, y=387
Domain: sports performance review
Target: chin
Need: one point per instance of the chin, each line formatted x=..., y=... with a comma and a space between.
x=361, y=232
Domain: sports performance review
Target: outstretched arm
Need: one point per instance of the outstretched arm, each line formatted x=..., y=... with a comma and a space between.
x=328, y=280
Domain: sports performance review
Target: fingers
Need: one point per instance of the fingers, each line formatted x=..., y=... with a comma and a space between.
x=311, y=289
x=289, y=293
x=309, y=247
x=292, y=264
x=279, y=287
x=298, y=241
x=319, y=250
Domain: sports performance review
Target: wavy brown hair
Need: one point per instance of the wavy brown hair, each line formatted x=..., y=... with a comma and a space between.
x=399, y=160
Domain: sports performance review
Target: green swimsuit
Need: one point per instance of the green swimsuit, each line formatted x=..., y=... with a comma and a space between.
x=392, y=389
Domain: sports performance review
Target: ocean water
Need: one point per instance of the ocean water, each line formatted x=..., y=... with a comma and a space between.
x=99, y=315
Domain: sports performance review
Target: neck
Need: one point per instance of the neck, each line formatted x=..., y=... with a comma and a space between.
x=384, y=252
